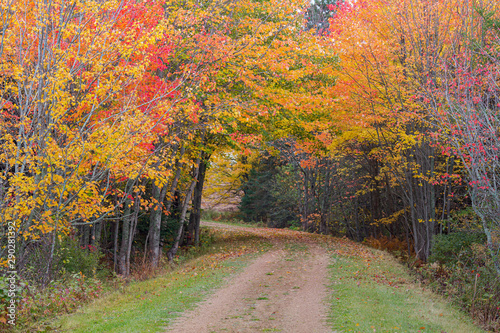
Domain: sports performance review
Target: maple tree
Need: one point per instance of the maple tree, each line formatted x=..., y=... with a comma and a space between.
x=388, y=50
x=381, y=127
x=111, y=111
x=72, y=122
x=464, y=101
x=259, y=86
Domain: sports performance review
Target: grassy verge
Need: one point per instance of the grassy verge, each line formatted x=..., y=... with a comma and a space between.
x=148, y=306
x=237, y=223
x=372, y=292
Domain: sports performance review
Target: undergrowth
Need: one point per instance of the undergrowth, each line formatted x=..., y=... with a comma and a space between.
x=461, y=269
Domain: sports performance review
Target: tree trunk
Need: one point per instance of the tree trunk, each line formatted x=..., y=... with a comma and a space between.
x=115, y=246
x=96, y=240
x=193, y=230
x=155, y=217
x=122, y=256
x=155, y=224
x=133, y=227
x=324, y=201
x=173, y=250
x=305, y=210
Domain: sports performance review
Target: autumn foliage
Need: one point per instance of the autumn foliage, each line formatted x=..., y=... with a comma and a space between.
x=371, y=119
x=110, y=112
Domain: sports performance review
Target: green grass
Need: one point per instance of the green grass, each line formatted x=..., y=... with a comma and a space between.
x=238, y=223
x=297, y=247
x=378, y=295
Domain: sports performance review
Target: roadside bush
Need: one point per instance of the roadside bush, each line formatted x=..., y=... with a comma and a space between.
x=32, y=263
x=207, y=238
x=222, y=216
x=295, y=225
x=448, y=249
x=393, y=245
x=6, y=297
x=463, y=270
x=62, y=296
x=36, y=305
x=71, y=258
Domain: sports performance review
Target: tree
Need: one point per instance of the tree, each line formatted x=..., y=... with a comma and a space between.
x=464, y=99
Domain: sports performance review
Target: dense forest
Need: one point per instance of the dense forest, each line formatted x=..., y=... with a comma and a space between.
x=375, y=120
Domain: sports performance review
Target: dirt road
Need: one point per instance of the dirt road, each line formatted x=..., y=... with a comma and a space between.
x=283, y=290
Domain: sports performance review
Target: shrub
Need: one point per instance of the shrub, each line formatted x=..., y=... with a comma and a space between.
x=393, y=245
x=71, y=258
x=63, y=296
x=223, y=216
x=463, y=270
x=450, y=248
x=6, y=296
